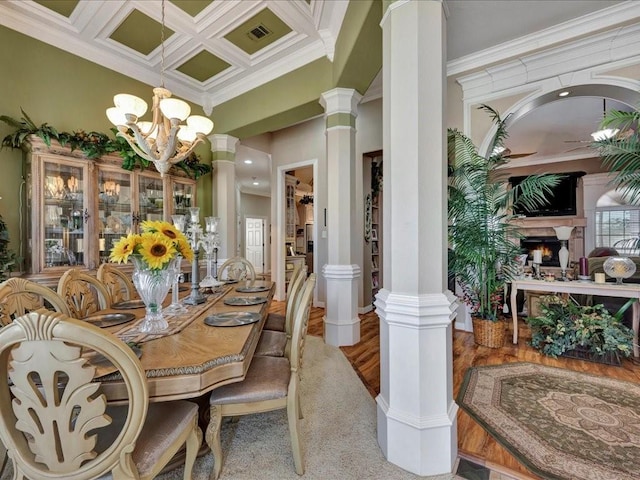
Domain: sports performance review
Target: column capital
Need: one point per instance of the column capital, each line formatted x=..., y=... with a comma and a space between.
x=222, y=142
x=340, y=100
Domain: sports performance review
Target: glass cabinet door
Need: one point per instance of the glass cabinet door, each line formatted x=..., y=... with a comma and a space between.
x=150, y=198
x=183, y=196
x=65, y=213
x=115, y=216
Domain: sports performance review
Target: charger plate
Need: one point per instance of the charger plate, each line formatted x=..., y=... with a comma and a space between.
x=99, y=360
x=245, y=301
x=231, y=319
x=128, y=304
x=104, y=320
x=257, y=288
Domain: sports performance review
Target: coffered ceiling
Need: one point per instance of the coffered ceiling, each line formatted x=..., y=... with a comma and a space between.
x=217, y=50
x=213, y=50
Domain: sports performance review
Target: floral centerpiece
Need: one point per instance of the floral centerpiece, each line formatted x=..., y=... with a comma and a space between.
x=155, y=253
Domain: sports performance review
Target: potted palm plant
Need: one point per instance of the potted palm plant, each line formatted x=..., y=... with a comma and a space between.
x=619, y=146
x=483, y=239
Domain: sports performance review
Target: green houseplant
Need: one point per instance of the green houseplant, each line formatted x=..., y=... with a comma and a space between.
x=483, y=239
x=621, y=151
x=589, y=332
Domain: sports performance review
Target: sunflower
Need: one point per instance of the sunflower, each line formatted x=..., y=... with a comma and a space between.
x=184, y=247
x=152, y=225
x=123, y=248
x=156, y=250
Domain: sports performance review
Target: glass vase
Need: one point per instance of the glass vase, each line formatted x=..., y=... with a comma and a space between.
x=152, y=286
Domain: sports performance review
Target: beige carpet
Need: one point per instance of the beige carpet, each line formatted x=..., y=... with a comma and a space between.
x=338, y=430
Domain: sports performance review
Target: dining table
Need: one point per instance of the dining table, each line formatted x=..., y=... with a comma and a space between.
x=192, y=357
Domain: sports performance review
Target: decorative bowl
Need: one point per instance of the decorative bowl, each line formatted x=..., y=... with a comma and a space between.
x=619, y=268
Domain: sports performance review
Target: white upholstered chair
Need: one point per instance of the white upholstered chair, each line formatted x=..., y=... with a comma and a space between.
x=276, y=343
x=19, y=296
x=117, y=282
x=276, y=321
x=57, y=425
x=271, y=383
x=237, y=268
x=82, y=293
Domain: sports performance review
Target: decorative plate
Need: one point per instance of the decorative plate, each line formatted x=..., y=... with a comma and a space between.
x=104, y=320
x=128, y=304
x=99, y=360
x=255, y=289
x=231, y=319
x=245, y=301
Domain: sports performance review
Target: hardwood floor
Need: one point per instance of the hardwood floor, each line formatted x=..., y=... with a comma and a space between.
x=474, y=442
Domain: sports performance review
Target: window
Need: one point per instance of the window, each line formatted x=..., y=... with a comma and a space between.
x=619, y=227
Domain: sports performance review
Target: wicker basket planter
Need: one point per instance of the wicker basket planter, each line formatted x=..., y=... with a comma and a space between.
x=488, y=333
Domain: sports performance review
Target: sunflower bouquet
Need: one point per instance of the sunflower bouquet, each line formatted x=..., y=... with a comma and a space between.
x=158, y=244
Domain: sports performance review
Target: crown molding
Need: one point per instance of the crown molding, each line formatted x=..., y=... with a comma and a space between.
x=605, y=48
x=607, y=18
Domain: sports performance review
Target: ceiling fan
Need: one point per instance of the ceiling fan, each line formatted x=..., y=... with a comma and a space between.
x=506, y=153
x=603, y=134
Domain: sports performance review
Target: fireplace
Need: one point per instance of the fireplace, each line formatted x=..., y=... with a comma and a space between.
x=550, y=247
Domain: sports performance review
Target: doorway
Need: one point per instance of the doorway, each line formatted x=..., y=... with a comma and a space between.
x=254, y=242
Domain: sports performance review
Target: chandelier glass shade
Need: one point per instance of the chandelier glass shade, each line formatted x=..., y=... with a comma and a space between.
x=165, y=140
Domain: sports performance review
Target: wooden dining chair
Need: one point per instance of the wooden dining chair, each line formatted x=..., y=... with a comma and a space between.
x=271, y=383
x=82, y=293
x=237, y=268
x=55, y=422
x=276, y=321
x=19, y=296
x=276, y=343
x=118, y=283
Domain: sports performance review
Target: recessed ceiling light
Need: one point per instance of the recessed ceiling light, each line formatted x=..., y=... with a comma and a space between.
x=248, y=162
x=255, y=182
x=564, y=93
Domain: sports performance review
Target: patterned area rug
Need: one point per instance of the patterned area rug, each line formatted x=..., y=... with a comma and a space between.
x=560, y=424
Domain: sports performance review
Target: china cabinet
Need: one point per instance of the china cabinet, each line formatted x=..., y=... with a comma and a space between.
x=77, y=207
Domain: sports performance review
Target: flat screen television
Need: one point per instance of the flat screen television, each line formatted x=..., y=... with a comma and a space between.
x=561, y=203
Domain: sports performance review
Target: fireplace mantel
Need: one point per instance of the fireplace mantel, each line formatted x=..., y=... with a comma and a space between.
x=543, y=227
x=550, y=222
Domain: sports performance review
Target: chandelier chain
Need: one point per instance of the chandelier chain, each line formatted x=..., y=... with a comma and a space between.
x=162, y=48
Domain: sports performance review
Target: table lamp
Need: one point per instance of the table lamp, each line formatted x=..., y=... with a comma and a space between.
x=563, y=234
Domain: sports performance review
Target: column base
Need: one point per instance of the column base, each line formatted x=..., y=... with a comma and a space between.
x=341, y=321
x=417, y=426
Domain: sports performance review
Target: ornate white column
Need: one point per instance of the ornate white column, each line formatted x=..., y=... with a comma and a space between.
x=341, y=321
x=416, y=411
x=223, y=148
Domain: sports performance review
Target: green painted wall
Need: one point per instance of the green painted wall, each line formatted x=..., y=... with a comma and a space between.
x=294, y=97
x=65, y=91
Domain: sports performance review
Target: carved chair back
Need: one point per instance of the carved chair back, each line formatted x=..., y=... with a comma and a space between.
x=117, y=282
x=237, y=268
x=83, y=293
x=19, y=296
x=52, y=413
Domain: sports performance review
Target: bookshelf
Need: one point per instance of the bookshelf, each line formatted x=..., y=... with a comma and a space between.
x=372, y=254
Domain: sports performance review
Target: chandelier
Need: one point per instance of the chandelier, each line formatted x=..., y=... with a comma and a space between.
x=165, y=140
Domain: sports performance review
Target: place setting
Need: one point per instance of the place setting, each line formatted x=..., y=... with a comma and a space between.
x=245, y=301
x=232, y=319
